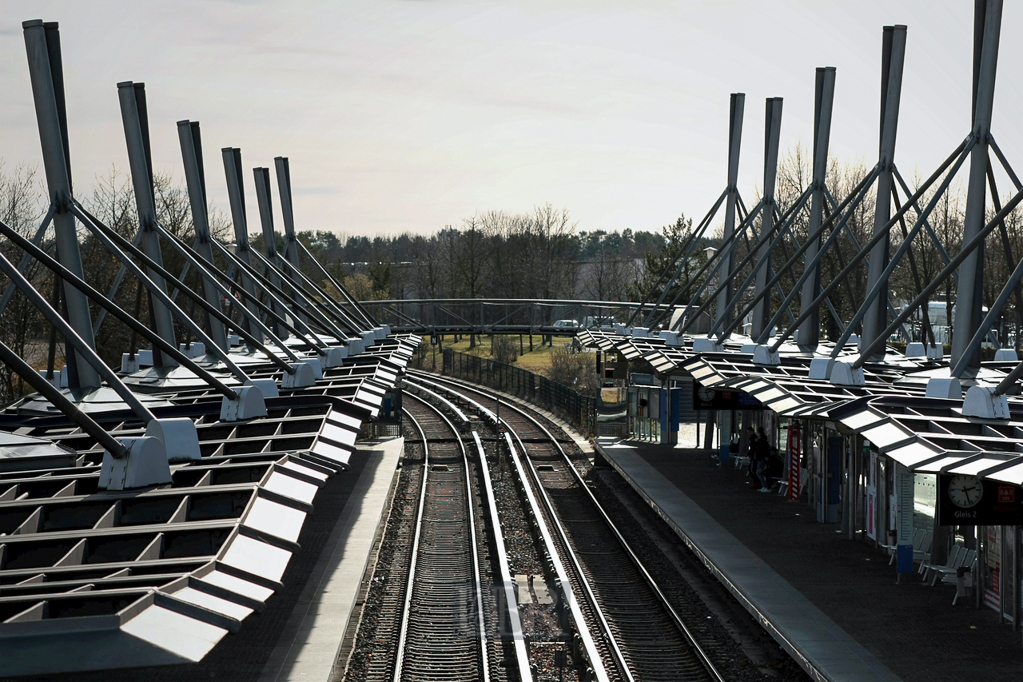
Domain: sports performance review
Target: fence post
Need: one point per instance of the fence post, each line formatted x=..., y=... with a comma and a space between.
x=560, y=399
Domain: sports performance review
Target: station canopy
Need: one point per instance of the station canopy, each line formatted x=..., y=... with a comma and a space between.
x=891, y=410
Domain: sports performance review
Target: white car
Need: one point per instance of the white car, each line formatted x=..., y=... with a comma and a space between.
x=567, y=324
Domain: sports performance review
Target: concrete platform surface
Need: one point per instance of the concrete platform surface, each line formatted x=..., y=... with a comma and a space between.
x=308, y=646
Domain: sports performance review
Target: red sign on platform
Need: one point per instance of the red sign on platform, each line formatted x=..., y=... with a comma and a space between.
x=794, y=457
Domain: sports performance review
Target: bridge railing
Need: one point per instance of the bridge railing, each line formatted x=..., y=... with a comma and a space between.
x=575, y=408
x=497, y=315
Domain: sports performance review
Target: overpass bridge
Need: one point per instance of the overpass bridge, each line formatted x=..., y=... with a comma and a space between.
x=501, y=315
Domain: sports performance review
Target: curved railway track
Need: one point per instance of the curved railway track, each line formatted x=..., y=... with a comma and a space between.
x=429, y=621
x=631, y=627
x=443, y=633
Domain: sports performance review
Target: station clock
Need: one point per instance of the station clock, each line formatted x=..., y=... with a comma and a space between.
x=965, y=492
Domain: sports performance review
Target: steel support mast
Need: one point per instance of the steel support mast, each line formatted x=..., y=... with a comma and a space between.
x=808, y=334
x=42, y=44
x=266, y=219
x=772, y=134
x=723, y=311
x=132, y=98
x=893, y=57
x=195, y=179
x=236, y=196
x=287, y=216
x=969, y=303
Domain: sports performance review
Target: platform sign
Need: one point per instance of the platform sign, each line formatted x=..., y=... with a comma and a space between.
x=794, y=461
x=904, y=550
x=970, y=501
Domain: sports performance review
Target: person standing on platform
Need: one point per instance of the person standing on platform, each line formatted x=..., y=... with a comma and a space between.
x=763, y=455
x=751, y=452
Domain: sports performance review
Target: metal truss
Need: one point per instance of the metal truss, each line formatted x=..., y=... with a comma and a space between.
x=159, y=506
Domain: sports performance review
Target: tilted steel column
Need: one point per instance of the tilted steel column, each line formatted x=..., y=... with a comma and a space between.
x=893, y=55
x=236, y=194
x=287, y=215
x=42, y=44
x=195, y=179
x=808, y=334
x=132, y=97
x=987, y=26
x=737, y=104
x=772, y=133
x=266, y=219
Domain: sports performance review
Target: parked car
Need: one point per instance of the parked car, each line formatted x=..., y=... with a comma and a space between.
x=599, y=323
x=567, y=324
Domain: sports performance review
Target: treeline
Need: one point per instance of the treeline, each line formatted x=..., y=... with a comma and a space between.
x=495, y=254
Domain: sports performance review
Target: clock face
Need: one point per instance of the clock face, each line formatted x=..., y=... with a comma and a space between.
x=965, y=491
x=706, y=394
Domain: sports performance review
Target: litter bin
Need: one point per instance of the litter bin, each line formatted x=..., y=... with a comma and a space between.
x=964, y=582
x=725, y=453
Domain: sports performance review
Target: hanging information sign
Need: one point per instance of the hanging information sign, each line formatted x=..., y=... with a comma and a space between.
x=970, y=501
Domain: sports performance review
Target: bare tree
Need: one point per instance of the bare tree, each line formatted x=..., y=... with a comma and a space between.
x=22, y=327
x=550, y=256
x=430, y=276
x=469, y=257
x=607, y=275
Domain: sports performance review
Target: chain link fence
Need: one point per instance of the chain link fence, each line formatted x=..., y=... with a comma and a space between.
x=576, y=409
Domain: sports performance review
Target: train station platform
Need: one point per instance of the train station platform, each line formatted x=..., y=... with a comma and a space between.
x=834, y=604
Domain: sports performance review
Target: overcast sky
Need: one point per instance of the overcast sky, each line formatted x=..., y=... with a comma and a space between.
x=410, y=115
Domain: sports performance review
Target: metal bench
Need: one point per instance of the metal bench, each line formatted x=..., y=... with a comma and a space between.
x=956, y=558
x=921, y=546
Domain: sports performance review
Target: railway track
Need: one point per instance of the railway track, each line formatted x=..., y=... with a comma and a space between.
x=443, y=633
x=428, y=620
x=627, y=627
